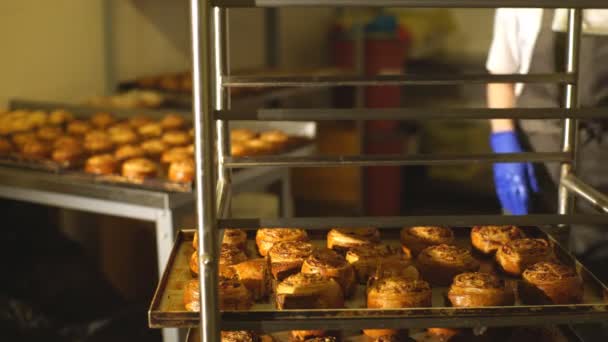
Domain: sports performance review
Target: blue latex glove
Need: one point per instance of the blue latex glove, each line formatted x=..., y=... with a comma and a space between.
x=513, y=181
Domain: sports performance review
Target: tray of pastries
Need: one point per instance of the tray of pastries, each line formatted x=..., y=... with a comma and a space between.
x=138, y=150
x=358, y=273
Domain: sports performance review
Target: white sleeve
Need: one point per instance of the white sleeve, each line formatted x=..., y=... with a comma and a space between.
x=504, y=56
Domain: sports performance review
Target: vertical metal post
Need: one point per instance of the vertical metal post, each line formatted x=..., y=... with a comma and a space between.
x=271, y=34
x=203, y=85
x=220, y=67
x=570, y=130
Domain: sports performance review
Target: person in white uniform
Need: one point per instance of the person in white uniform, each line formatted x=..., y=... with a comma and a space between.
x=533, y=41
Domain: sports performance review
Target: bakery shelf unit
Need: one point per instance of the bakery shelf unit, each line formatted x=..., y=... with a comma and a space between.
x=212, y=114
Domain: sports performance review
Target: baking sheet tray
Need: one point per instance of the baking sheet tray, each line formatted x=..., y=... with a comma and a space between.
x=167, y=309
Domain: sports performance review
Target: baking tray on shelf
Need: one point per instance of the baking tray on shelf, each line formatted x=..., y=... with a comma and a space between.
x=167, y=309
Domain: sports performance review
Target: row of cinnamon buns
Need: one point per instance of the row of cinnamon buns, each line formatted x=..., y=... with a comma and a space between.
x=306, y=277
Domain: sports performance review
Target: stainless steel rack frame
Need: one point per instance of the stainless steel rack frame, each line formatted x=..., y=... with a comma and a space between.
x=211, y=110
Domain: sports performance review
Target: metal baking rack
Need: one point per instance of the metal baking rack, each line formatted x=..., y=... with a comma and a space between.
x=212, y=112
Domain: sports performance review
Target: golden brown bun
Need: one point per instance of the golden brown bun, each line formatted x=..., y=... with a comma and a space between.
x=236, y=238
x=49, y=133
x=176, y=138
x=239, y=135
x=239, y=336
x=5, y=147
x=276, y=138
x=439, y=264
x=415, y=239
x=551, y=283
x=330, y=264
x=103, y=164
x=128, y=152
x=150, y=130
x=139, y=120
x=67, y=154
x=307, y=335
x=98, y=144
x=192, y=296
x=517, y=255
x=60, y=116
x=309, y=291
x=172, y=121
x=193, y=264
x=20, y=139
x=231, y=255
x=343, y=239
x=102, y=120
x=182, y=171
x=286, y=257
x=233, y=295
x=79, y=127
x=154, y=147
x=67, y=141
x=479, y=289
x=35, y=150
x=121, y=136
x=265, y=238
x=238, y=150
x=257, y=147
x=487, y=239
x=396, y=292
x=255, y=275
x=175, y=154
x=366, y=258
x=139, y=169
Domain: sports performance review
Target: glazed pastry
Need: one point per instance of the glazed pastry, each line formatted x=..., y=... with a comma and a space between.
x=276, y=138
x=139, y=121
x=343, y=239
x=119, y=128
x=551, y=283
x=309, y=291
x=21, y=139
x=487, y=239
x=193, y=264
x=128, y=152
x=322, y=339
x=517, y=255
x=192, y=296
x=255, y=275
x=103, y=164
x=176, y=138
x=175, y=154
x=68, y=154
x=231, y=255
x=238, y=150
x=182, y=171
x=48, y=133
x=257, y=147
x=396, y=267
x=265, y=238
x=479, y=289
x=151, y=130
x=328, y=263
x=439, y=264
x=79, y=127
x=5, y=147
x=35, y=150
x=233, y=294
x=243, y=134
x=139, y=169
x=415, y=239
x=286, y=257
x=154, y=148
x=98, y=144
x=96, y=134
x=236, y=238
x=60, y=116
x=123, y=136
x=309, y=335
x=66, y=141
x=239, y=336
x=102, y=120
x=393, y=293
x=172, y=121
x=366, y=258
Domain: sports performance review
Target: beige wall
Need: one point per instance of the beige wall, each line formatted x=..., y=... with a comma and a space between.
x=50, y=49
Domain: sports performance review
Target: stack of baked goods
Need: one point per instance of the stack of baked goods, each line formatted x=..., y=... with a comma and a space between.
x=137, y=148
x=496, y=266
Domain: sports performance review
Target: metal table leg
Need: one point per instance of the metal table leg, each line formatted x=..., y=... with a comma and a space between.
x=165, y=233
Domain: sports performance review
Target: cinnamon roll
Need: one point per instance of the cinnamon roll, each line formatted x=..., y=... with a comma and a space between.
x=396, y=267
x=415, y=239
x=233, y=294
x=287, y=257
x=366, y=258
x=265, y=238
x=396, y=292
x=551, y=283
x=255, y=275
x=343, y=239
x=236, y=238
x=309, y=291
x=239, y=336
x=328, y=263
x=487, y=239
x=439, y=264
x=515, y=256
x=479, y=289
x=231, y=255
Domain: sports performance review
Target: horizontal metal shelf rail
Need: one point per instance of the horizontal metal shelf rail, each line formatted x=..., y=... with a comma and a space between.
x=332, y=114
x=408, y=79
x=416, y=3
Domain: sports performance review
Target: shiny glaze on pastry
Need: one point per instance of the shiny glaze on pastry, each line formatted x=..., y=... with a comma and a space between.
x=94, y=143
x=266, y=237
x=475, y=289
x=232, y=294
x=49, y=133
x=487, y=239
x=236, y=238
x=515, y=256
x=329, y=263
x=150, y=130
x=342, y=239
x=139, y=168
x=103, y=164
x=396, y=267
x=415, y=239
x=309, y=291
x=255, y=275
x=123, y=136
x=231, y=255
x=67, y=154
x=182, y=171
x=154, y=147
x=172, y=121
x=439, y=264
x=66, y=141
x=286, y=257
x=257, y=147
x=549, y=282
x=275, y=137
x=176, y=138
x=129, y=152
x=175, y=154
x=366, y=258
x=239, y=336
